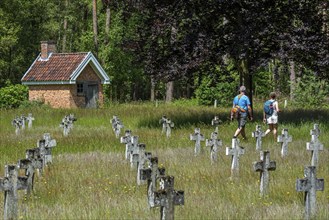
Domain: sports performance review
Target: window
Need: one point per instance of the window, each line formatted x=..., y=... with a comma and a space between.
x=80, y=88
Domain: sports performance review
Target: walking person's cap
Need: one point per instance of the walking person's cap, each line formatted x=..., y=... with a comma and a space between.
x=242, y=89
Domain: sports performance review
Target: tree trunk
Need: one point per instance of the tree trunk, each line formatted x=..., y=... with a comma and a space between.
x=95, y=30
x=65, y=27
x=169, y=91
x=107, y=25
x=292, y=79
x=152, y=89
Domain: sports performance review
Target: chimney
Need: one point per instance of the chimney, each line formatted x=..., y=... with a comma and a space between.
x=47, y=47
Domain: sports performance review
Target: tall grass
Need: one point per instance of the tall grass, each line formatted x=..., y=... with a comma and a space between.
x=89, y=178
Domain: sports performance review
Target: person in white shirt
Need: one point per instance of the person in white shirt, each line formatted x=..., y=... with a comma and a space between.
x=272, y=120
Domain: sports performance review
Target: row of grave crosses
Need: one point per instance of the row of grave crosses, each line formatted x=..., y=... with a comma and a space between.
x=309, y=184
x=19, y=122
x=67, y=124
x=116, y=125
x=148, y=171
x=35, y=159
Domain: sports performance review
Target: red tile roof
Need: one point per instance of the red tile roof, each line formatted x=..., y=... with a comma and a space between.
x=58, y=67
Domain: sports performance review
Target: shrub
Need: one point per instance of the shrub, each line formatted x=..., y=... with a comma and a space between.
x=311, y=92
x=12, y=96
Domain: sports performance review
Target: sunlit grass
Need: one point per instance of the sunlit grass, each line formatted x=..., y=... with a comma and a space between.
x=89, y=178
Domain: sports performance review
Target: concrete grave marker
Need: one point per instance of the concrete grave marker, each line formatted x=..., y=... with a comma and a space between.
x=215, y=122
x=127, y=139
x=134, y=155
x=264, y=166
x=166, y=198
x=310, y=184
x=29, y=119
x=45, y=145
x=167, y=124
x=10, y=184
x=235, y=151
x=151, y=174
x=116, y=126
x=23, y=118
x=214, y=144
x=143, y=159
x=284, y=139
x=30, y=165
x=314, y=146
x=67, y=124
x=258, y=134
x=197, y=137
x=17, y=123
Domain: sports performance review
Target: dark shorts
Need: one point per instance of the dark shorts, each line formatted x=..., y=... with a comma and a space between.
x=242, y=120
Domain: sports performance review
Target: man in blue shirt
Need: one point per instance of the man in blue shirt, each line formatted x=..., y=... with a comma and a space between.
x=242, y=102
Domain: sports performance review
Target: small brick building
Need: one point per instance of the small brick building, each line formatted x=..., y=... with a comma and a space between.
x=65, y=80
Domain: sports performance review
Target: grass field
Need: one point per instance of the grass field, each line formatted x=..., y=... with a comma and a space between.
x=90, y=179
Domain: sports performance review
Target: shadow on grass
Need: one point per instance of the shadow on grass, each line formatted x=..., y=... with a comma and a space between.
x=295, y=116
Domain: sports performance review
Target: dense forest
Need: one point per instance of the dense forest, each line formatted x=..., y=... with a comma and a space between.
x=155, y=49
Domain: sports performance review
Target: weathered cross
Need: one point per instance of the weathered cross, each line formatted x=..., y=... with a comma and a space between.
x=285, y=138
x=10, y=184
x=34, y=155
x=143, y=158
x=45, y=145
x=258, y=134
x=197, y=137
x=29, y=119
x=134, y=155
x=167, y=124
x=310, y=184
x=235, y=151
x=116, y=125
x=264, y=166
x=30, y=164
x=166, y=198
x=314, y=146
x=127, y=139
x=151, y=174
x=215, y=122
x=23, y=118
x=17, y=123
x=213, y=143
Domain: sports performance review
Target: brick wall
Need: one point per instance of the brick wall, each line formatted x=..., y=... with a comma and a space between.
x=65, y=96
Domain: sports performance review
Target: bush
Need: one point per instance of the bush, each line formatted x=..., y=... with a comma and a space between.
x=311, y=92
x=12, y=96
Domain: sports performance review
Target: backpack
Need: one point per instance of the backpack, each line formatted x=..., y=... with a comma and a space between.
x=268, y=107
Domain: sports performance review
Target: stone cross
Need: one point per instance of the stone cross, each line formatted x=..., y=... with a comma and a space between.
x=285, y=138
x=264, y=166
x=213, y=143
x=258, y=134
x=235, y=151
x=17, y=123
x=30, y=165
x=127, y=139
x=166, y=198
x=143, y=158
x=151, y=174
x=23, y=118
x=315, y=131
x=314, y=146
x=45, y=146
x=35, y=157
x=67, y=124
x=215, y=122
x=116, y=125
x=29, y=119
x=10, y=184
x=197, y=137
x=167, y=124
x=134, y=155
x=310, y=184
